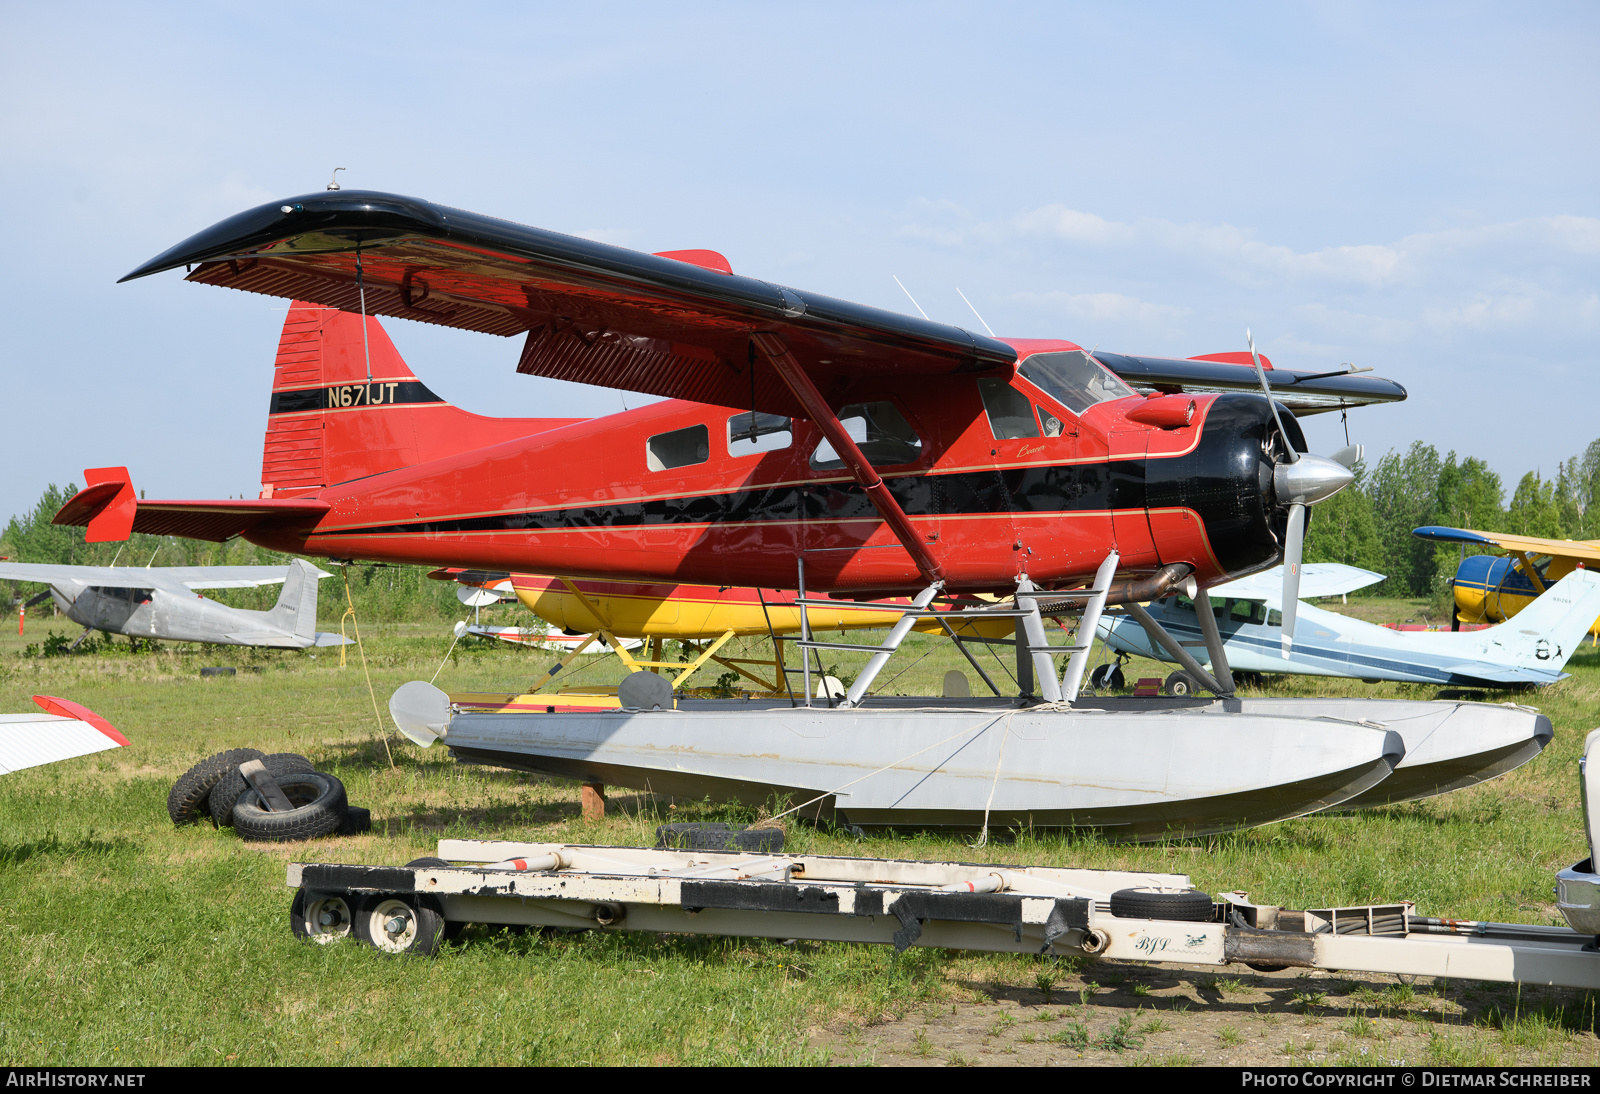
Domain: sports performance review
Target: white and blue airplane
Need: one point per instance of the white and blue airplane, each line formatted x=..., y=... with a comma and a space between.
x=1530, y=649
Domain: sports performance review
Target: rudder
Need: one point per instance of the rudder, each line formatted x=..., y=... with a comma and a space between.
x=344, y=407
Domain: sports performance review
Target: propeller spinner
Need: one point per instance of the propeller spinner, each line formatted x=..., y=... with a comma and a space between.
x=1299, y=480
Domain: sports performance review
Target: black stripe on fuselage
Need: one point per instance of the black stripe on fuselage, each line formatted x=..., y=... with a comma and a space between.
x=345, y=396
x=1067, y=488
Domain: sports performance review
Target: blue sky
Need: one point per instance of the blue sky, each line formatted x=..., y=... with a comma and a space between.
x=1411, y=190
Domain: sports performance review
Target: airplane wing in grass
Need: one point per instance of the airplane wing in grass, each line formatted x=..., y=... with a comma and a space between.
x=1583, y=550
x=64, y=731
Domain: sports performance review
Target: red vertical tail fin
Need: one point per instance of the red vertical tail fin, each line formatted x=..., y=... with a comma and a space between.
x=345, y=407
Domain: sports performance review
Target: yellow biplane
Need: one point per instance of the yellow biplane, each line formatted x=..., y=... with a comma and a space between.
x=1492, y=588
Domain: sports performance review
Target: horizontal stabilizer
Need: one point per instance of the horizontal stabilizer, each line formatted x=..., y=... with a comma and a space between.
x=104, y=508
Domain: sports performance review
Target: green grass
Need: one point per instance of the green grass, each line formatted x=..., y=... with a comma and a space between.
x=128, y=942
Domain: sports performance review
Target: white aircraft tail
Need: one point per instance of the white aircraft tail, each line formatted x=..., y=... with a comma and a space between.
x=1547, y=632
x=296, y=610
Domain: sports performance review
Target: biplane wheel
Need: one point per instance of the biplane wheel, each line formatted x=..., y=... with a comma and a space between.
x=187, y=802
x=1180, y=685
x=400, y=923
x=321, y=919
x=1184, y=905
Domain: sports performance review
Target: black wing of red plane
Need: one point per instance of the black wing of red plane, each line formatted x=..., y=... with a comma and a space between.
x=591, y=312
x=1302, y=392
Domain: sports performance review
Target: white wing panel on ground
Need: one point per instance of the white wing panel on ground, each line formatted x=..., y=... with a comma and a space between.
x=30, y=740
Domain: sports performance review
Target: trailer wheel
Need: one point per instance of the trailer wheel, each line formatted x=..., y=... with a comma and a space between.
x=186, y=804
x=231, y=787
x=1180, y=685
x=397, y=923
x=321, y=919
x=319, y=803
x=1184, y=905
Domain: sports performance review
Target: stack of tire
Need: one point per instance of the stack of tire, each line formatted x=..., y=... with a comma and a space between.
x=217, y=790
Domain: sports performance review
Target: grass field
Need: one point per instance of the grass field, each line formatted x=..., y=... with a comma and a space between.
x=127, y=942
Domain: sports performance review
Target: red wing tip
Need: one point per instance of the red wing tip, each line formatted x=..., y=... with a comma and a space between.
x=66, y=708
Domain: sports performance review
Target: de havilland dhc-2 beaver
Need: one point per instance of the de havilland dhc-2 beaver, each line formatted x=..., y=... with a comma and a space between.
x=808, y=443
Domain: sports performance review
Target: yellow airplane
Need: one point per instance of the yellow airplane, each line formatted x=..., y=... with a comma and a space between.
x=1491, y=588
x=610, y=612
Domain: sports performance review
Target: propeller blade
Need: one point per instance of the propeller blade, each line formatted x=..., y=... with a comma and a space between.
x=40, y=599
x=1348, y=456
x=1266, y=389
x=1293, y=548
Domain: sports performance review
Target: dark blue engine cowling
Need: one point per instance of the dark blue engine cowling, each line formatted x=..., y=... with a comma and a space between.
x=1227, y=480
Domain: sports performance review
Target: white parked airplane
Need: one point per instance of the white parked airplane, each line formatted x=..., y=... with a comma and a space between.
x=63, y=731
x=160, y=602
x=1530, y=649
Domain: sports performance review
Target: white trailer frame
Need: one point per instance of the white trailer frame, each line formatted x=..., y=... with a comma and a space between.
x=972, y=906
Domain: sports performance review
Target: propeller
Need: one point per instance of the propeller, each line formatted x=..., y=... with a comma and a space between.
x=1301, y=479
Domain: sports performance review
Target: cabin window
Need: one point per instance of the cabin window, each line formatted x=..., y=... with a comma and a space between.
x=680, y=448
x=1183, y=603
x=1074, y=380
x=1247, y=611
x=1052, y=424
x=117, y=592
x=879, y=430
x=1274, y=618
x=1010, y=412
x=752, y=434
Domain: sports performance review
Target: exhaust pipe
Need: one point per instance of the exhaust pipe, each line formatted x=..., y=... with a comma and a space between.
x=1153, y=587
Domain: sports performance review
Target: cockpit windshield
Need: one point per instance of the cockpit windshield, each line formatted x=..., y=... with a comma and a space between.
x=1074, y=380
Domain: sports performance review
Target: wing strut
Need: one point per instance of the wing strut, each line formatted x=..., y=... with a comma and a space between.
x=805, y=392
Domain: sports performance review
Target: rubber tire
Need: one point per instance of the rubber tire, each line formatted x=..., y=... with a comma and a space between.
x=303, y=920
x=1108, y=678
x=188, y=799
x=1180, y=685
x=230, y=788
x=422, y=936
x=320, y=808
x=357, y=820
x=1183, y=905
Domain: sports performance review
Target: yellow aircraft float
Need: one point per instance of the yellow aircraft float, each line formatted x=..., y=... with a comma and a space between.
x=1492, y=588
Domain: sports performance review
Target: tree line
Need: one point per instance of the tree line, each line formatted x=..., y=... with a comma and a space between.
x=1369, y=523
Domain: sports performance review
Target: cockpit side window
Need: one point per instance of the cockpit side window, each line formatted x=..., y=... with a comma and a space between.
x=680, y=448
x=1247, y=611
x=1010, y=412
x=752, y=433
x=882, y=433
x=1073, y=379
